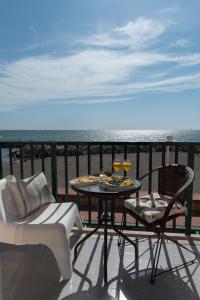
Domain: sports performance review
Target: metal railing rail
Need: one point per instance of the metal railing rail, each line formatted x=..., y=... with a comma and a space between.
x=51, y=150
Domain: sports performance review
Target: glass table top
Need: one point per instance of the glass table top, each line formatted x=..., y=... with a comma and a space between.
x=97, y=188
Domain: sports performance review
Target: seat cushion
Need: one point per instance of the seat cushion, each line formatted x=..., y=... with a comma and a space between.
x=152, y=207
x=35, y=192
x=54, y=213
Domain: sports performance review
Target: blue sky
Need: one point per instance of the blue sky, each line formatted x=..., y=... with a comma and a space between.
x=109, y=64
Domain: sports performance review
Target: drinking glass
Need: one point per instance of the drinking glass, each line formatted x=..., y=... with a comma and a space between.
x=117, y=164
x=127, y=164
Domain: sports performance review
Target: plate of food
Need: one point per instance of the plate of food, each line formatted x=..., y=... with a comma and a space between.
x=85, y=180
x=116, y=182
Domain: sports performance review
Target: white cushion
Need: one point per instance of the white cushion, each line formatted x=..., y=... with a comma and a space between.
x=35, y=192
x=11, y=199
x=152, y=207
x=53, y=213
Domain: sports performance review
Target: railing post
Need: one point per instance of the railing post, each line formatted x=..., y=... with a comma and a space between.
x=89, y=172
x=188, y=219
x=32, y=160
x=101, y=157
x=77, y=161
x=21, y=162
x=170, y=138
x=66, y=171
x=125, y=156
x=150, y=169
x=54, y=170
x=1, y=169
x=89, y=159
x=113, y=155
x=42, y=157
x=11, y=160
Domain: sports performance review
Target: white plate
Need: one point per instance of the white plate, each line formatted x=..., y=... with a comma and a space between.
x=114, y=187
x=90, y=182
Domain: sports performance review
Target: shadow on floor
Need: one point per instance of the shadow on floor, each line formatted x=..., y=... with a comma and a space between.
x=35, y=274
x=134, y=287
x=31, y=273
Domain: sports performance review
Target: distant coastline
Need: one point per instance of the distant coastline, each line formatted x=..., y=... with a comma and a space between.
x=100, y=135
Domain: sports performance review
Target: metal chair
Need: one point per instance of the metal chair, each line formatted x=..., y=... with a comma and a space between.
x=155, y=210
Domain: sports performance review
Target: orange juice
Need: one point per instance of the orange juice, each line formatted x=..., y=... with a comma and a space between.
x=117, y=165
x=127, y=165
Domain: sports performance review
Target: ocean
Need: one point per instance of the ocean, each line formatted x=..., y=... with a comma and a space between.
x=100, y=135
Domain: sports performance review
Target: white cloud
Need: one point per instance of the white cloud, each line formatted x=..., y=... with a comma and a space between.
x=175, y=84
x=99, y=74
x=83, y=76
x=135, y=34
x=190, y=59
x=170, y=10
x=158, y=75
x=183, y=43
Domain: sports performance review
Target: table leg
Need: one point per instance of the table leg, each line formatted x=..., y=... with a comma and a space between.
x=128, y=240
x=83, y=240
x=121, y=233
x=91, y=233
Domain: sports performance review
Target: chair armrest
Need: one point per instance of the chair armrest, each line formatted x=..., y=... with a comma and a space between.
x=18, y=234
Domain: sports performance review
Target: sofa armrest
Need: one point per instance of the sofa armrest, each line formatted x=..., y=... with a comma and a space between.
x=51, y=235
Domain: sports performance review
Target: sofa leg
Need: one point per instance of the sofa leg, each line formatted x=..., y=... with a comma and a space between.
x=62, y=255
x=78, y=223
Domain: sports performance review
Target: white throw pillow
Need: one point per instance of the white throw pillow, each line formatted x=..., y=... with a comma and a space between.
x=12, y=200
x=35, y=192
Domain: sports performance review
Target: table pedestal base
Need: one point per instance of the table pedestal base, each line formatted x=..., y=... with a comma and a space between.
x=103, y=219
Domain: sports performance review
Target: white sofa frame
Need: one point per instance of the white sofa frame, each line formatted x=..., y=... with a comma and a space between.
x=32, y=231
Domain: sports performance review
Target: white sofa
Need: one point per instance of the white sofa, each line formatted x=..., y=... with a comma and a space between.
x=30, y=215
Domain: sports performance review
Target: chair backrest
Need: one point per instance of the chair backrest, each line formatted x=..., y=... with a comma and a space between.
x=172, y=178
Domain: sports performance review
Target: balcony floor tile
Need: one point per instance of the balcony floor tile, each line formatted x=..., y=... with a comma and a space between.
x=31, y=272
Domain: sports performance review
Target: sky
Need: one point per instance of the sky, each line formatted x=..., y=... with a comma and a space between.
x=109, y=64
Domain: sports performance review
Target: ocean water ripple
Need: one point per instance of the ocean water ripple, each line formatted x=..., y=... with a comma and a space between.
x=100, y=135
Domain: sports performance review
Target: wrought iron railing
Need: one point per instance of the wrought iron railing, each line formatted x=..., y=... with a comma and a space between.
x=62, y=161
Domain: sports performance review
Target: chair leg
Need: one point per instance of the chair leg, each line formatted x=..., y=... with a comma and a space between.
x=161, y=237
x=184, y=247
x=156, y=258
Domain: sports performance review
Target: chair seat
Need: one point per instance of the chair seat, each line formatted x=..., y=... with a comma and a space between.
x=53, y=213
x=152, y=207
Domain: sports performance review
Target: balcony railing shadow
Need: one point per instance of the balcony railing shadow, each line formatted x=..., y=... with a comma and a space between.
x=36, y=275
x=133, y=282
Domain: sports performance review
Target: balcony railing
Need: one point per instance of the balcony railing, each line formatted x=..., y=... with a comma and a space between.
x=62, y=161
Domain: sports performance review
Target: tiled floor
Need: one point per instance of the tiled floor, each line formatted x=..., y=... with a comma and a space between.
x=31, y=273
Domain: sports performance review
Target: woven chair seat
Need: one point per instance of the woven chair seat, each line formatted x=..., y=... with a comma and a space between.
x=152, y=207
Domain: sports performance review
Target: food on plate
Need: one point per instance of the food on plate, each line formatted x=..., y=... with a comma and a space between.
x=106, y=178
x=115, y=181
x=128, y=182
x=86, y=179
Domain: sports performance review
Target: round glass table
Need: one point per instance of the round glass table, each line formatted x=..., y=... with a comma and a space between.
x=104, y=196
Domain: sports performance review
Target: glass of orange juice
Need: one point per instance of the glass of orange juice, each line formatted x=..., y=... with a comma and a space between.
x=127, y=164
x=117, y=164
